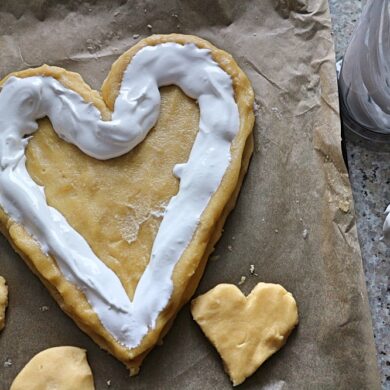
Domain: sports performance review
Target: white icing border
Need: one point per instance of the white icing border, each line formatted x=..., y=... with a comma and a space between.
x=386, y=226
x=23, y=101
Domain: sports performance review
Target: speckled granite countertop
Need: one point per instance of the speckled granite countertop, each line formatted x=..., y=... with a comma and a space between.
x=370, y=178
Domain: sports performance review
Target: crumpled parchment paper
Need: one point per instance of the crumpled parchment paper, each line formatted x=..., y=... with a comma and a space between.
x=294, y=220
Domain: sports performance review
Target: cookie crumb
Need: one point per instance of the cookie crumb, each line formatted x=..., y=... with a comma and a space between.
x=344, y=206
x=277, y=113
x=135, y=36
x=256, y=108
x=276, y=230
x=44, y=308
x=305, y=234
x=242, y=280
x=230, y=248
x=149, y=26
x=252, y=270
x=108, y=383
x=7, y=363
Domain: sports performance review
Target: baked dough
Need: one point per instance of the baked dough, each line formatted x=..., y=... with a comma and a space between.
x=59, y=368
x=120, y=221
x=246, y=331
x=3, y=301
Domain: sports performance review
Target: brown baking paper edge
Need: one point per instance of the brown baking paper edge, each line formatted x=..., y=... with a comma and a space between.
x=294, y=220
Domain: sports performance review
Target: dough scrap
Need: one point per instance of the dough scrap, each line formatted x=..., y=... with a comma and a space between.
x=246, y=331
x=59, y=368
x=3, y=301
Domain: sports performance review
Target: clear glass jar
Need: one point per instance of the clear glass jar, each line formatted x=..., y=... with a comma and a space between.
x=364, y=80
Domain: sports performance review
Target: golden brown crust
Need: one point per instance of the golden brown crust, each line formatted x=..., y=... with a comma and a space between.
x=60, y=192
x=3, y=301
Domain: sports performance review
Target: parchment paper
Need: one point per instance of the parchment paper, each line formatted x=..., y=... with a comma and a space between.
x=294, y=220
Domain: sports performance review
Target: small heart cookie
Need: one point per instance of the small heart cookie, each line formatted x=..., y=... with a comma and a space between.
x=3, y=301
x=116, y=199
x=59, y=368
x=246, y=331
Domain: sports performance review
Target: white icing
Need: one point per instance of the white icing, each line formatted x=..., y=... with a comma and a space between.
x=23, y=101
x=386, y=226
x=364, y=77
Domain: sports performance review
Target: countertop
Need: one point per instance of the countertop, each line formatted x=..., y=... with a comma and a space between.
x=370, y=179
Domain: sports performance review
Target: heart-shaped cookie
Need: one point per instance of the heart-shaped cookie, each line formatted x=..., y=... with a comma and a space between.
x=121, y=244
x=246, y=331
